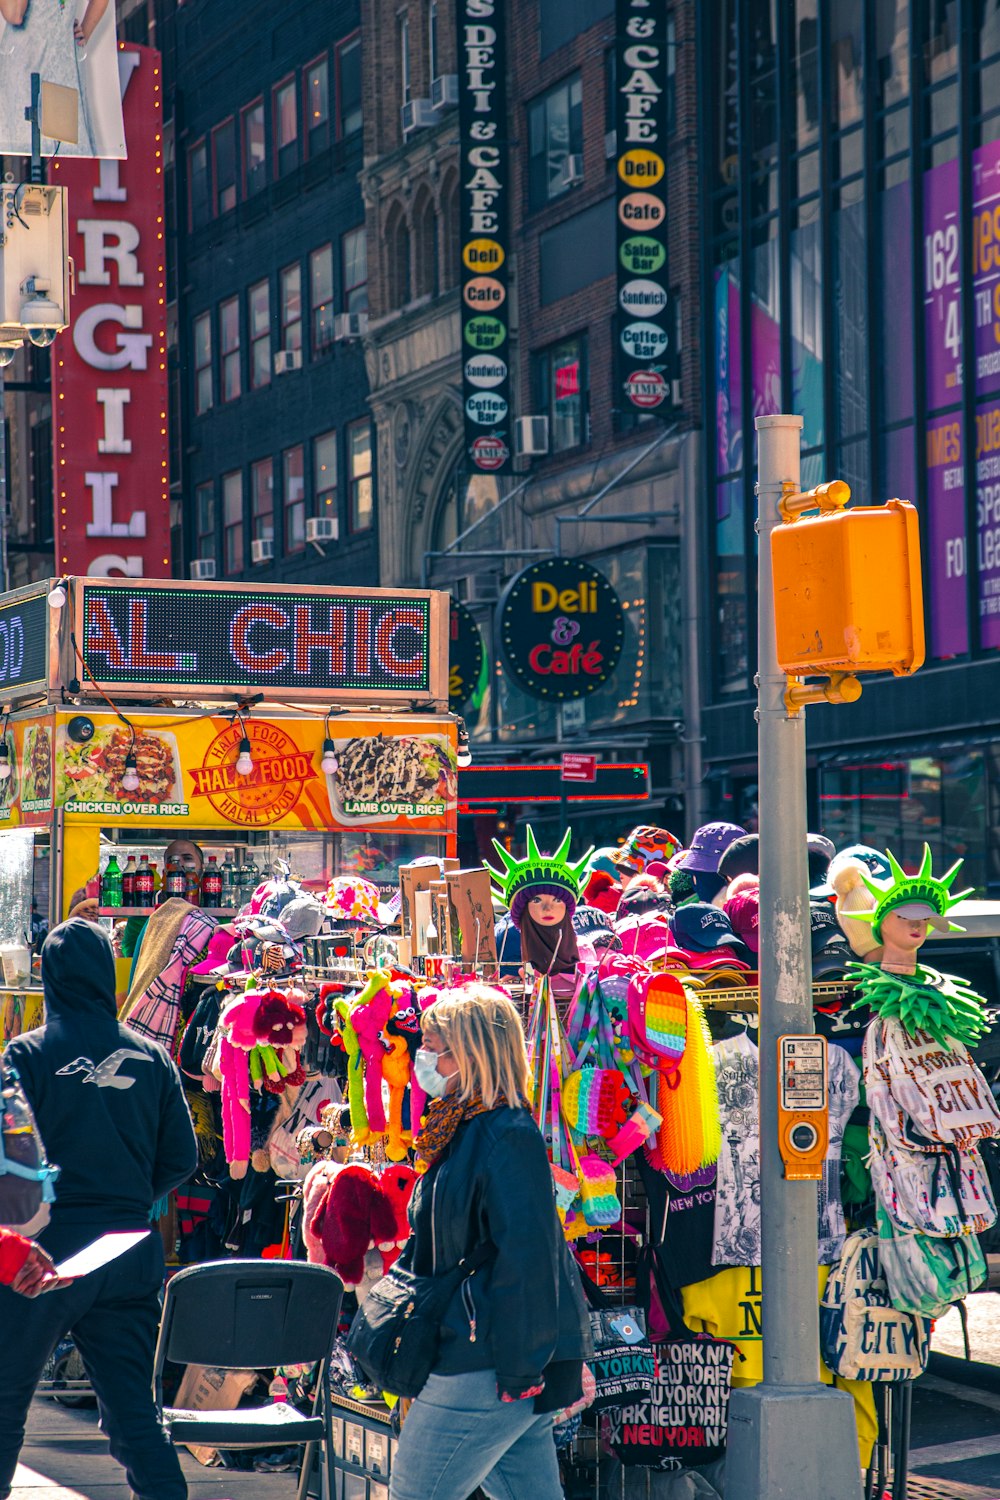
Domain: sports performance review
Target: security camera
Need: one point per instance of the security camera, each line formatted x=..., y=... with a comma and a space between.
x=41, y=318
x=42, y=338
x=8, y=348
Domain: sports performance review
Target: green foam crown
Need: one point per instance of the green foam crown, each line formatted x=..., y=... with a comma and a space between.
x=904, y=889
x=538, y=869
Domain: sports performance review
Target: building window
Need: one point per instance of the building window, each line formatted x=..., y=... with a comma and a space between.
x=359, y=463
x=294, y=491
x=232, y=521
x=203, y=393
x=397, y=252
x=198, y=209
x=286, y=127
x=425, y=251
x=432, y=37
x=204, y=510
x=325, y=474
x=262, y=500
x=290, y=280
x=354, y=260
x=317, y=88
x=259, y=310
x=671, y=99
x=254, y=149
x=229, y=348
x=404, y=59
x=555, y=141
x=224, y=158
x=321, y=298
x=350, y=118
x=561, y=392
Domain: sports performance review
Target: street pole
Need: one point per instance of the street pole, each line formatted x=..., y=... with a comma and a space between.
x=791, y=1437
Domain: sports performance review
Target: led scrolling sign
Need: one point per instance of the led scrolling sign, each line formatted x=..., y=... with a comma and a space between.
x=334, y=643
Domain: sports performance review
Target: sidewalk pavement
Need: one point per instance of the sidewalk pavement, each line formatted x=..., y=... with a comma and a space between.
x=65, y=1457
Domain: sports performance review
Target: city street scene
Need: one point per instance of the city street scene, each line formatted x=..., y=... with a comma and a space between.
x=500, y=750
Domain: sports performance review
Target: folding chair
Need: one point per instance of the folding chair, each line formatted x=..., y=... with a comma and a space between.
x=252, y=1315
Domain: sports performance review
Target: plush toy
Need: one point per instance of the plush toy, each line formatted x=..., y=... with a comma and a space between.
x=237, y=1041
x=315, y=1186
x=280, y=1027
x=396, y=1071
x=397, y=1183
x=353, y=1216
x=369, y=1015
x=340, y=1002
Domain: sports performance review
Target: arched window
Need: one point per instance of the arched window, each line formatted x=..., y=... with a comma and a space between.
x=448, y=248
x=397, y=245
x=424, y=245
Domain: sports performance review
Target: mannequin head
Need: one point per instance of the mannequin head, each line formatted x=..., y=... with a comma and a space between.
x=545, y=908
x=902, y=937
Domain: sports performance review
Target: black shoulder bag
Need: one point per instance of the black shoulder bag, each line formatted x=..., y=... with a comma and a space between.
x=396, y=1333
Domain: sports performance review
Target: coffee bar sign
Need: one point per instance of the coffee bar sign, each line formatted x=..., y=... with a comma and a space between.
x=647, y=354
x=484, y=190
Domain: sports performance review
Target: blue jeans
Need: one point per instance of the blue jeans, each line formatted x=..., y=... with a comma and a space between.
x=459, y=1434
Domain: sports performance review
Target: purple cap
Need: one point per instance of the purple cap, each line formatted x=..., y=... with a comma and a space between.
x=708, y=846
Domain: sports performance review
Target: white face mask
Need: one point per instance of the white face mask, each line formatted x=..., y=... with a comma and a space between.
x=426, y=1069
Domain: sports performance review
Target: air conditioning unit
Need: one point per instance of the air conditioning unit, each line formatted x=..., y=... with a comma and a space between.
x=417, y=115
x=531, y=436
x=262, y=550
x=444, y=91
x=610, y=143
x=348, y=326
x=287, y=359
x=572, y=172
x=322, y=529
x=202, y=568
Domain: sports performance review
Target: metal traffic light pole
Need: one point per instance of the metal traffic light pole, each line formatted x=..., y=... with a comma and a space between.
x=791, y=1437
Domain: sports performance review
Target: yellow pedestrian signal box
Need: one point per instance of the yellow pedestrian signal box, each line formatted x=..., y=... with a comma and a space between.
x=803, y=1106
x=848, y=595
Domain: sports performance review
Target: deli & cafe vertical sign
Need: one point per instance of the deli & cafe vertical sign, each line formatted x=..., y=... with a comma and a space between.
x=484, y=190
x=647, y=355
x=109, y=371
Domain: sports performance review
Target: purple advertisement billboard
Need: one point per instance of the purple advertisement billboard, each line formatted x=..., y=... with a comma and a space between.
x=942, y=287
x=946, y=536
x=988, y=522
x=986, y=265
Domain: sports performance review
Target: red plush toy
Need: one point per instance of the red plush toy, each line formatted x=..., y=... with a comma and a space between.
x=397, y=1183
x=353, y=1216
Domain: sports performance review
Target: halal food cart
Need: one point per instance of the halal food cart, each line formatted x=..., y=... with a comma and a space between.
x=262, y=723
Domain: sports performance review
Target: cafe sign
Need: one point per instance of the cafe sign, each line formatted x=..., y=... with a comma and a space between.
x=561, y=629
x=647, y=354
x=484, y=191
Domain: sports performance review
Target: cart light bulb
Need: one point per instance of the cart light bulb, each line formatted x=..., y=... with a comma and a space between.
x=130, y=780
x=328, y=765
x=57, y=597
x=430, y=930
x=464, y=757
x=244, y=760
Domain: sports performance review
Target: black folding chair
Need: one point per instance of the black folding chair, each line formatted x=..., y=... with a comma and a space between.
x=252, y=1315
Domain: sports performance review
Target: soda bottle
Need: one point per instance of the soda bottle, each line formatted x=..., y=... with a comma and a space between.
x=144, y=884
x=191, y=882
x=230, y=891
x=175, y=881
x=211, y=883
x=111, y=883
x=251, y=878
x=128, y=882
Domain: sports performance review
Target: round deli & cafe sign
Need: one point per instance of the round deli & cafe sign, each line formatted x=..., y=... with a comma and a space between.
x=561, y=628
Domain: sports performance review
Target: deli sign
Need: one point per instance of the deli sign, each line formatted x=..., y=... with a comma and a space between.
x=561, y=629
x=647, y=354
x=484, y=192
x=109, y=372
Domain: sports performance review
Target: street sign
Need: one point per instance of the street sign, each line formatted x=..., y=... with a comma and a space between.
x=574, y=767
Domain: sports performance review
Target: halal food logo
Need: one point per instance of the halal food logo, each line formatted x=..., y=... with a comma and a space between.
x=274, y=786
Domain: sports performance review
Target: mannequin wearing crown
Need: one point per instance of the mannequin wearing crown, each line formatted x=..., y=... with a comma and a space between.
x=542, y=891
x=900, y=911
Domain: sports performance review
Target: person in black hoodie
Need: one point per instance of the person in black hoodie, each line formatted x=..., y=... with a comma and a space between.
x=516, y=1333
x=110, y=1108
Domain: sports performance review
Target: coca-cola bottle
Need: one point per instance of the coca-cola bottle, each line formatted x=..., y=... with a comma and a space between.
x=175, y=881
x=128, y=882
x=211, y=883
x=145, y=886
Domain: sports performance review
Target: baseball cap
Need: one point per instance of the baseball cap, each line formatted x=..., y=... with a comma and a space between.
x=709, y=844
x=700, y=928
x=216, y=954
x=831, y=951
x=864, y=854
x=718, y=958
x=743, y=911
x=741, y=858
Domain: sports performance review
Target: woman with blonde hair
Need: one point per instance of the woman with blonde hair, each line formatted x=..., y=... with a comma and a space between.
x=516, y=1332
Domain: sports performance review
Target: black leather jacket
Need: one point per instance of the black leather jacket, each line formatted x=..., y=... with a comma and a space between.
x=523, y=1309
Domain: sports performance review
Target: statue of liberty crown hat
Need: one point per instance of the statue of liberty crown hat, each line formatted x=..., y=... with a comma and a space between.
x=922, y=896
x=554, y=874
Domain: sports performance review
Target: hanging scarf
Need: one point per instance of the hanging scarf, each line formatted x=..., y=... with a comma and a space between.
x=549, y=950
x=443, y=1118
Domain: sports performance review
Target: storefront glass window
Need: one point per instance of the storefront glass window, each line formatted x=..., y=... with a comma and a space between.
x=893, y=310
x=846, y=53
x=731, y=586
x=728, y=381
x=892, y=52
x=805, y=47
x=850, y=320
x=806, y=275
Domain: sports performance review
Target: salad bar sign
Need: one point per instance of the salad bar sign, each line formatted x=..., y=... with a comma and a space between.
x=485, y=192
x=324, y=642
x=646, y=340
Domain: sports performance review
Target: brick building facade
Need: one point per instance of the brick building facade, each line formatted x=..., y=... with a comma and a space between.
x=470, y=532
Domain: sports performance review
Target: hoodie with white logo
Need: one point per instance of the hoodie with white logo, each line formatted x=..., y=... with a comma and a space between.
x=109, y=1104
